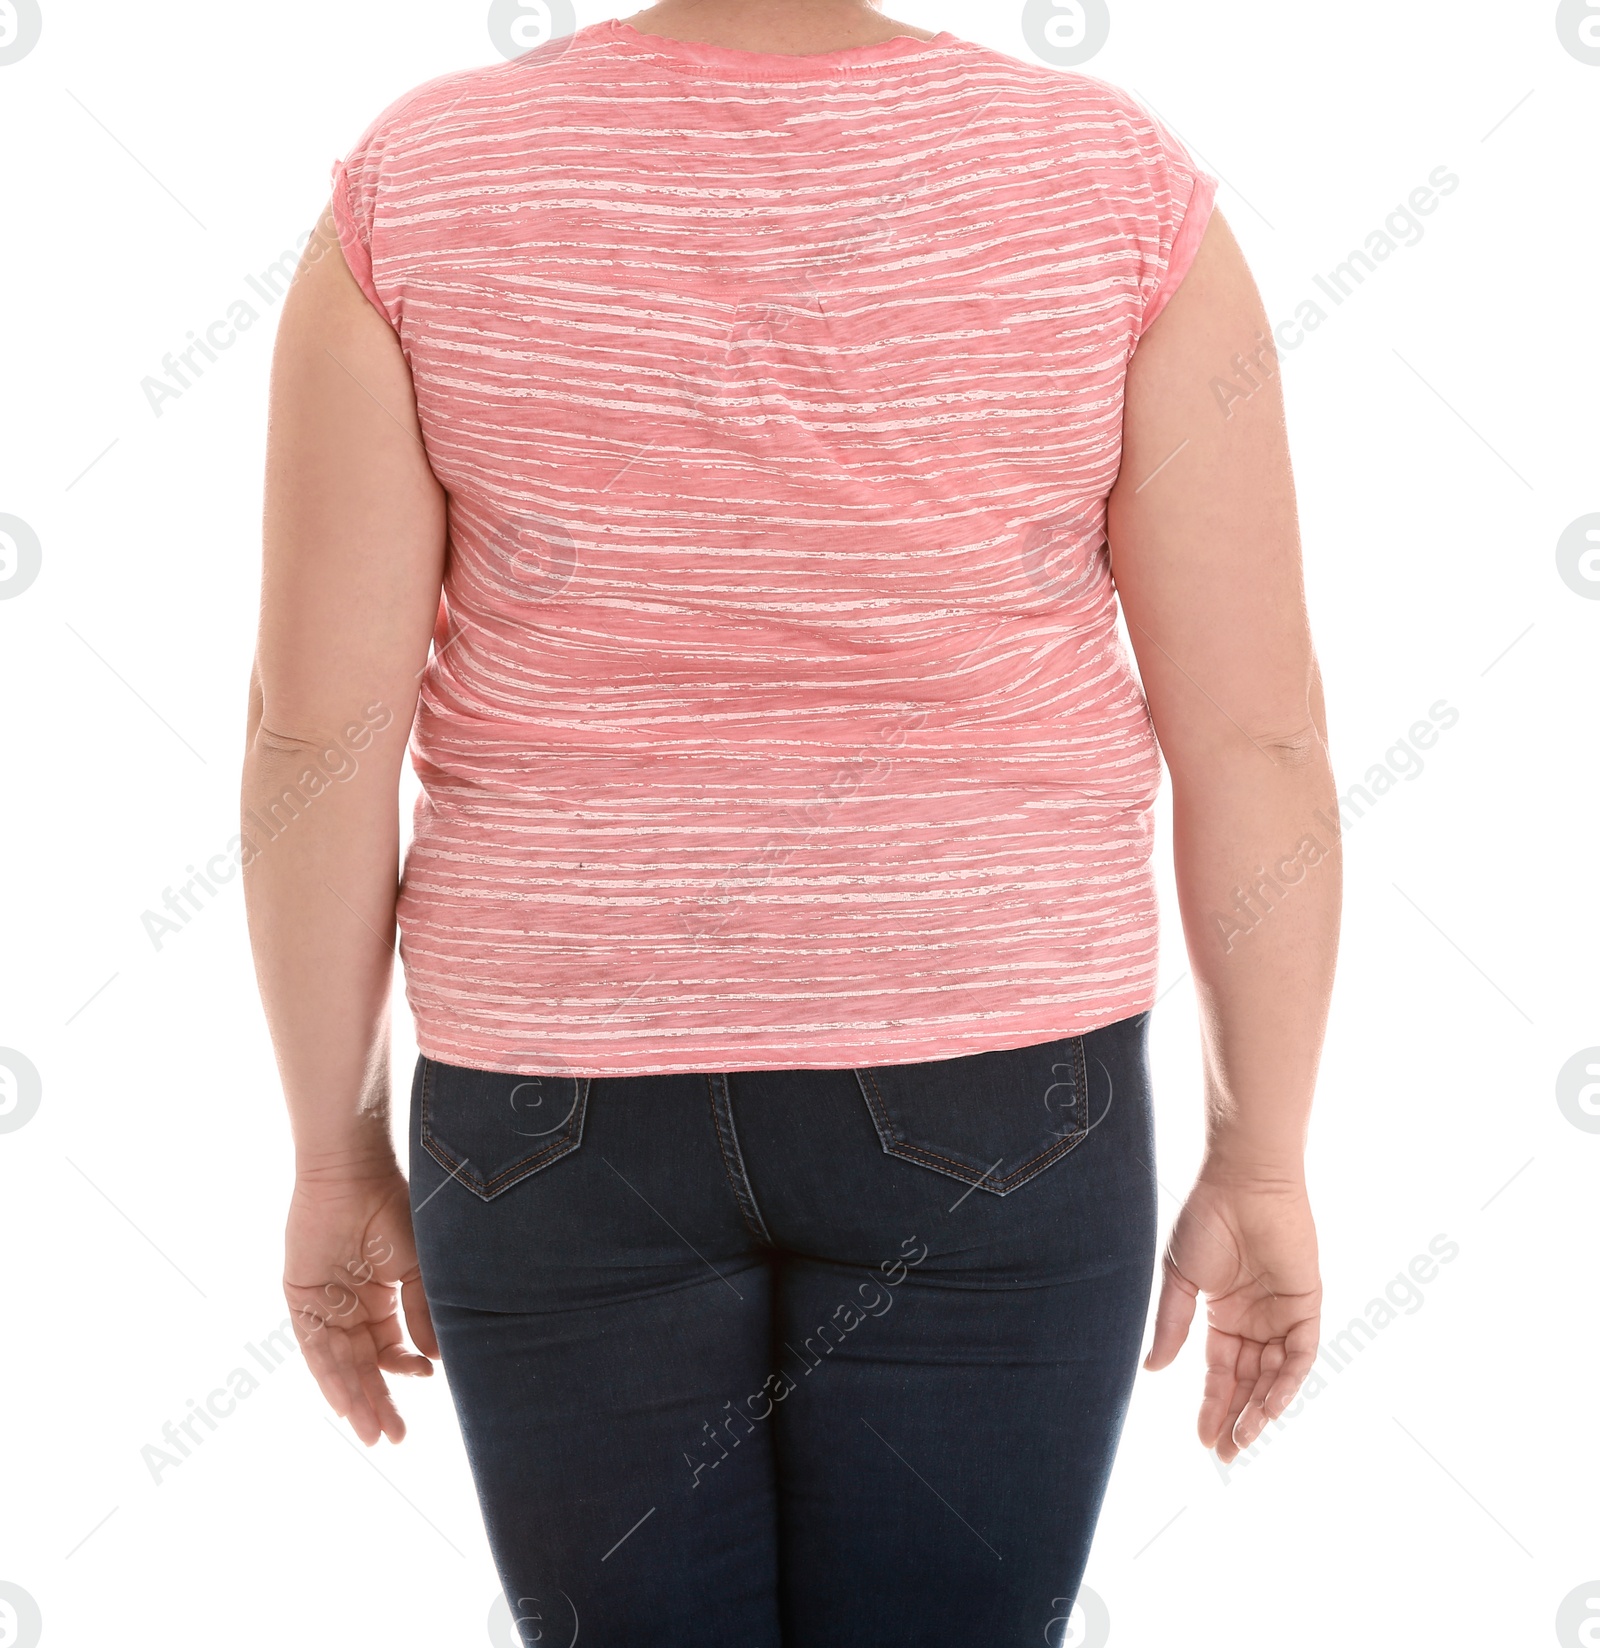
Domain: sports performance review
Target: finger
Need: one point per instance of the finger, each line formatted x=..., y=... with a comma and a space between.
x=364, y=1350
x=358, y=1409
x=375, y=1396
x=1253, y=1417
x=1222, y=1372
x=1300, y=1355
x=392, y=1353
x=419, y=1319
x=316, y=1338
x=340, y=1389
x=1248, y=1370
x=1174, y=1313
x=397, y=1359
x=1232, y=1371
x=329, y=1381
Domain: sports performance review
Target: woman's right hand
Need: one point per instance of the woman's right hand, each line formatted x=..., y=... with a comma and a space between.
x=1251, y=1247
x=350, y=1265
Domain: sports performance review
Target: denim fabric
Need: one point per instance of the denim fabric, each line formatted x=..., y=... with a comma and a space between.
x=819, y=1358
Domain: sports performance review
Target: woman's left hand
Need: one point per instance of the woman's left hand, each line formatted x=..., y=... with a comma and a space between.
x=350, y=1266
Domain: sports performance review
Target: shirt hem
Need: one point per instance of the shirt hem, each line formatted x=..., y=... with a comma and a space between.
x=1185, y=245
x=707, y=1056
x=356, y=256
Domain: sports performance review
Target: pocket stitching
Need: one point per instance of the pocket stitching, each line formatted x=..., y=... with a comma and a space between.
x=924, y=1156
x=487, y=1189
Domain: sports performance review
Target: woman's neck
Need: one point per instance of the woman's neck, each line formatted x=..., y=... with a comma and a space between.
x=788, y=28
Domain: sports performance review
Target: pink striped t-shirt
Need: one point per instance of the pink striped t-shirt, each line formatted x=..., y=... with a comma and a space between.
x=777, y=715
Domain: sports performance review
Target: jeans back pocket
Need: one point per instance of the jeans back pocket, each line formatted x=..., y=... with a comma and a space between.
x=993, y=1120
x=490, y=1130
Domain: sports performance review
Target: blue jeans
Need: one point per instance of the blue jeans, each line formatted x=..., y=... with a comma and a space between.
x=818, y=1358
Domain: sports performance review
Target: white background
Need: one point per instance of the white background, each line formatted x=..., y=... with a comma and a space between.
x=1442, y=1487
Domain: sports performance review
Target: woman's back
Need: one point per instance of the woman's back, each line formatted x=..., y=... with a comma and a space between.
x=731, y=472
x=777, y=400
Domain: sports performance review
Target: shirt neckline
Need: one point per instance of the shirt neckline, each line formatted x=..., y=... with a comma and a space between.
x=695, y=57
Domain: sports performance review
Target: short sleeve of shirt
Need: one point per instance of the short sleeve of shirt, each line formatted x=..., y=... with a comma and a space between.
x=355, y=190
x=1182, y=194
x=358, y=193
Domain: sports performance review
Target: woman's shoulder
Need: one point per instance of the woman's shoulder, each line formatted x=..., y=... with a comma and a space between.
x=1103, y=132
x=449, y=103
x=1082, y=107
x=1095, y=122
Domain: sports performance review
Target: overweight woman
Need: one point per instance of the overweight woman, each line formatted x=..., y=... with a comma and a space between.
x=718, y=446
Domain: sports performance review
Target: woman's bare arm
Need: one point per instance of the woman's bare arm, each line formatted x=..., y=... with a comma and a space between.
x=352, y=562
x=1206, y=553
